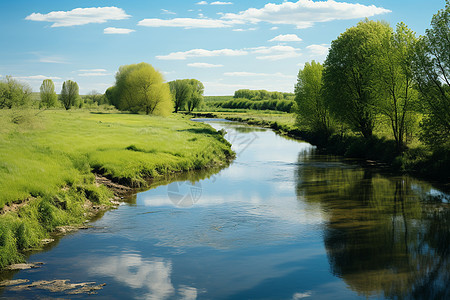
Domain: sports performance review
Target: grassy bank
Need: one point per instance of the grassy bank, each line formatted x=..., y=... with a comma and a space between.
x=47, y=160
x=417, y=160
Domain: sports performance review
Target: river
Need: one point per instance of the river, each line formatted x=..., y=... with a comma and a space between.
x=281, y=222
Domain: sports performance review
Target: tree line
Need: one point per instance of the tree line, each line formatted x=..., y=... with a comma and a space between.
x=257, y=95
x=375, y=74
x=258, y=100
x=138, y=88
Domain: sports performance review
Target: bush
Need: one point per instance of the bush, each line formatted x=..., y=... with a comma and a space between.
x=240, y=103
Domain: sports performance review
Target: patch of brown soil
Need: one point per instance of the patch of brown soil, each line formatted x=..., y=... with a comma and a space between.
x=119, y=190
x=15, y=205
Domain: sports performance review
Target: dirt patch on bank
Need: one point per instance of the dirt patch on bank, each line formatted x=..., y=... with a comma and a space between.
x=119, y=190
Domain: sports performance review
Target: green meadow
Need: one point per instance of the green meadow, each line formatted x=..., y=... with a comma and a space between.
x=48, y=159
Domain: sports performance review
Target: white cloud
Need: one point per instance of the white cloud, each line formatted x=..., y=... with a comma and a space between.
x=52, y=59
x=252, y=74
x=318, y=49
x=114, y=30
x=286, y=38
x=201, y=53
x=187, y=23
x=264, y=53
x=204, y=65
x=241, y=29
x=221, y=3
x=304, y=13
x=37, y=77
x=80, y=16
x=167, y=12
x=93, y=74
x=274, y=28
x=275, y=52
x=214, y=3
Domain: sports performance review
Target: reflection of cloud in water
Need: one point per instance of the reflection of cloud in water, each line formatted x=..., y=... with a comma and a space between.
x=187, y=292
x=154, y=276
x=298, y=296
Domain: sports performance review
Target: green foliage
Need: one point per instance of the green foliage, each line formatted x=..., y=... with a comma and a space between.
x=217, y=98
x=240, y=103
x=13, y=93
x=432, y=73
x=94, y=99
x=394, y=83
x=187, y=92
x=311, y=109
x=69, y=94
x=262, y=95
x=112, y=97
x=349, y=75
x=196, y=98
x=139, y=87
x=181, y=91
x=47, y=94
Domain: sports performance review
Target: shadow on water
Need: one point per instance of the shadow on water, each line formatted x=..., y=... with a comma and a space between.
x=384, y=236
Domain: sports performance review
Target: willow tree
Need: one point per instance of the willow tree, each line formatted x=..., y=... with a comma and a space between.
x=312, y=112
x=432, y=70
x=395, y=84
x=197, y=94
x=181, y=91
x=349, y=75
x=69, y=94
x=139, y=87
x=48, y=94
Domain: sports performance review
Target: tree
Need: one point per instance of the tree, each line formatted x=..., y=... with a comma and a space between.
x=69, y=94
x=196, y=98
x=14, y=93
x=349, y=75
x=395, y=82
x=111, y=96
x=48, y=94
x=95, y=96
x=181, y=91
x=312, y=111
x=432, y=73
x=139, y=87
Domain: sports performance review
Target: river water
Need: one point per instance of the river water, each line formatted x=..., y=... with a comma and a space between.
x=281, y=222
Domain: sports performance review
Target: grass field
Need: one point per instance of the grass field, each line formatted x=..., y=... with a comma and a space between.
x=48, y=158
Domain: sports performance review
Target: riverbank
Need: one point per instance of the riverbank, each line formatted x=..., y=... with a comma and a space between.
x=416, y=161
x=49, y=161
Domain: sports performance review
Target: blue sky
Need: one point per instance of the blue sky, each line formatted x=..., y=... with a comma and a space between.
x=228, y=45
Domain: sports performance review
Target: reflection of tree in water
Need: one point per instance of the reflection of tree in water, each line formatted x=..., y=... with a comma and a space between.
x=381, y=236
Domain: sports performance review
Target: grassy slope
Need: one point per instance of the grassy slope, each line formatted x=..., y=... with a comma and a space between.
x=48, y=158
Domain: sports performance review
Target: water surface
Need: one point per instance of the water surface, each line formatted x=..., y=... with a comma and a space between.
x=281, y=222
